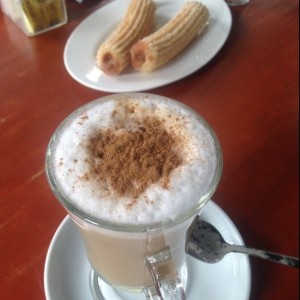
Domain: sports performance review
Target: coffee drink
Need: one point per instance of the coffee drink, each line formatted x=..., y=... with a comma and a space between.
x=132, y=170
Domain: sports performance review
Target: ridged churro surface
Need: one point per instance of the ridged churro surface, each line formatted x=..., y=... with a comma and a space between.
x=157, y=49
x=113, y=56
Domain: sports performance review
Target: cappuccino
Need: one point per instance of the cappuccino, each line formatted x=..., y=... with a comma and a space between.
x=132, y=170
x=190, y=181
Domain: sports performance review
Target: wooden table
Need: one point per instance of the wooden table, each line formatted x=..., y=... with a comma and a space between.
x=248, y=93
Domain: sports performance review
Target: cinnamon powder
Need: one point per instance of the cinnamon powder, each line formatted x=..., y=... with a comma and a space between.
x=129, y=161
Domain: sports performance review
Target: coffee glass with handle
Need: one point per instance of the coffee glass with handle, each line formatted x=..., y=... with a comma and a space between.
x=134, y=242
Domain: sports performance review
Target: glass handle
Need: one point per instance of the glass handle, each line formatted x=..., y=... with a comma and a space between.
x=151, y=293
x=167, y=283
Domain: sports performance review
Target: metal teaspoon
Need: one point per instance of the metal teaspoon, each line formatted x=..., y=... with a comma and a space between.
x=205, y=243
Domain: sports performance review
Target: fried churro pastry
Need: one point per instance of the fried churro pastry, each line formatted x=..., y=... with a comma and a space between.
x=113, y=56
x=157, y=49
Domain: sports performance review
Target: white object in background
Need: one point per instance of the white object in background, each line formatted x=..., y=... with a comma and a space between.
x=236, y=2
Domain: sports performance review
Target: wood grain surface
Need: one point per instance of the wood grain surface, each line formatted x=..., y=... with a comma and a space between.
x=248, y=93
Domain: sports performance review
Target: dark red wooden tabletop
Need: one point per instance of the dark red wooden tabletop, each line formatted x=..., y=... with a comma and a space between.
x=249, y=94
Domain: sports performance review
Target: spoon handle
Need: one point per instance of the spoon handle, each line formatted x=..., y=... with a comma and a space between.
x=275, y=257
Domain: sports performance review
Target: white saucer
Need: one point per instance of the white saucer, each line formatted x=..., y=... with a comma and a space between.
x=81, y=47
x=67, y=270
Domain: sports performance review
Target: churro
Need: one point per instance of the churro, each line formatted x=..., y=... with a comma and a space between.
x=160, y=47
x=113, y=56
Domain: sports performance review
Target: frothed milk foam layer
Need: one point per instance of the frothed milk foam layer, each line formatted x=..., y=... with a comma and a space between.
x=188, y=182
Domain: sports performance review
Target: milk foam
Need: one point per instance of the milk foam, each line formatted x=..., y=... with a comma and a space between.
x=188, y=183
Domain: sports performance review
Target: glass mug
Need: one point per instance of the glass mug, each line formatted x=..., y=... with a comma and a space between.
x=138, y=248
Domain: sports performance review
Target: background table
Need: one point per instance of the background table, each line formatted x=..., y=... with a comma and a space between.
x=248, y=93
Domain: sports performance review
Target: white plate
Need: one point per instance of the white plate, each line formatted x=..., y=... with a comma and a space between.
x=81, y=47
x=66, y=274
